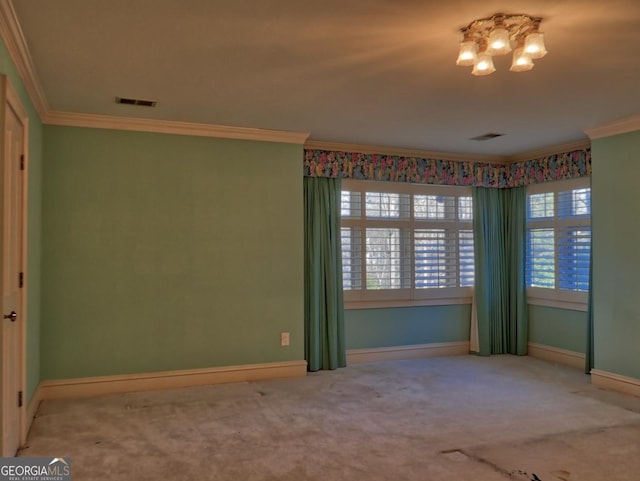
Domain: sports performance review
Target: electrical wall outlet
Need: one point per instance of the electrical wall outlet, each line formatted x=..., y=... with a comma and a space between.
x=284, y=338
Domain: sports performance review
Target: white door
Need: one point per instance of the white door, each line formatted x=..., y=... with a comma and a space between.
x=12, y=198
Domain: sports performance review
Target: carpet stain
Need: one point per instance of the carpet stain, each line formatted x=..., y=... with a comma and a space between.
x=524, y=476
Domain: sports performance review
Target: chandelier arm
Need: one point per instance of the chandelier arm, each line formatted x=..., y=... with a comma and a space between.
x=489, y=22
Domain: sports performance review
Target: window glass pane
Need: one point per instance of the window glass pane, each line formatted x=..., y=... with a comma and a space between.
x=540, y=205
x=434, y=207
x=574, y=203
x=574, y=246
x=435, y=260
x=387, y=205
x=465, y=249
x=541, y=258
x=350, y=238
x=582, y=202
x=465, y=208
x=385, y=266
x=350, y=204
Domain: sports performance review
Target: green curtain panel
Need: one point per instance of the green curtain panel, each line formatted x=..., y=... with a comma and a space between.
x=500, y=246
x=323, y=298
x=588, y=360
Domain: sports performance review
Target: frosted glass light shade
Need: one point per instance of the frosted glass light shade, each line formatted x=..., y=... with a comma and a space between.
x=483, y=65
x=498, y=43
x=521, y=61
x=468, y=53
x=500, y=34
x=534, y=45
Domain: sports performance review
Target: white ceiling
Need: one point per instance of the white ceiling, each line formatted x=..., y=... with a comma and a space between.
x=378, y=72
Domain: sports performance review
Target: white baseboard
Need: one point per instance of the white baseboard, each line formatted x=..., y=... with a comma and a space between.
x=96, y=386
x=615, y=382
x=356, y=356
x=557, y=355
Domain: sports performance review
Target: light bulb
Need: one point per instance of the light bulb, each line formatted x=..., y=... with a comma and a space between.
x=468, y=53
x=498, y=43
x=534, y=45
x=521, y=61
x=483, y=65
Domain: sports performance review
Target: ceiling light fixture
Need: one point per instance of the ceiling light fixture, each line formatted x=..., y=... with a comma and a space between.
x=497, y=35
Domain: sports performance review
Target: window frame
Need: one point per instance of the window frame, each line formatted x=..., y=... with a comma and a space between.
x=557, y=297
x=363, y=298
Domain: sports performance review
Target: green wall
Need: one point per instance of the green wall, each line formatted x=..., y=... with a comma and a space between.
x=370, y=328
x=34, y=200
x=401, y=326
x=560, y=328
x=165, y=252
x=616, y=253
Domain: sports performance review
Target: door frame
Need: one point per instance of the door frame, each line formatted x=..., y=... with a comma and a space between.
x=9, y=99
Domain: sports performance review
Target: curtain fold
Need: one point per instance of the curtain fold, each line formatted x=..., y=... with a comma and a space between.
x=517, y=250
x=588, y=359
x=323, y=297
x=474, y=342
x=500, y=255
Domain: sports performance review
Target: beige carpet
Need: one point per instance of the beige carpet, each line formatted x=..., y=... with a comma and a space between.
x=450, y=419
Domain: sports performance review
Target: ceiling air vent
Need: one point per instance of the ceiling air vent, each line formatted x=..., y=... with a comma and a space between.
x=140, y=102
x=488, y=136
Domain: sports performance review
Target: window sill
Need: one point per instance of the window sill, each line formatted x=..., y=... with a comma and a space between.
x=559, y=304
x=381, y=304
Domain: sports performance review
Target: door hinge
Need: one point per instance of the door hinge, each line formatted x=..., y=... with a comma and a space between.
x=21, y=161
x=21, y=279
x=19, y=399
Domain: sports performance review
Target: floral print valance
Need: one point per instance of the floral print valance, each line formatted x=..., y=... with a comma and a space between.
x=352, y=165
x=567, y=165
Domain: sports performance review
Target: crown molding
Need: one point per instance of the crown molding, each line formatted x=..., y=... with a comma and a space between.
x=16, y=44
x=622, y=126
x=376, y=149
x=13, y=37
x=556, y=149
x=96, y=121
